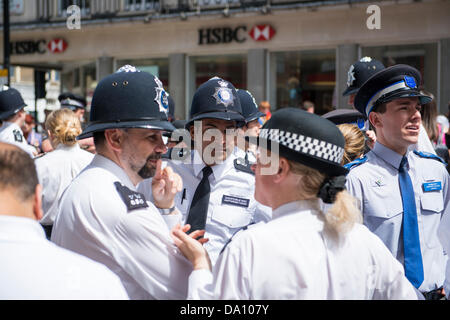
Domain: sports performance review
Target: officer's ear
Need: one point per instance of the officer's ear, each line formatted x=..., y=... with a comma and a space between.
x=283, y=170
x=37, y=203
x=375, y=119
x=114, y=138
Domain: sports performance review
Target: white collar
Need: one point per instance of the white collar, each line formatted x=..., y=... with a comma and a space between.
x=219, y=170
x=109, y=165
x=296, y=206
x=20, y=229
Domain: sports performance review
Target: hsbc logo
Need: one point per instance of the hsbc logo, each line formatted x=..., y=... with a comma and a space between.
x=57, y=46
x=263, y=32
x=40, y=46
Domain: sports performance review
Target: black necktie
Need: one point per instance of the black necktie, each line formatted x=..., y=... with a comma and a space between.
x=199, y=206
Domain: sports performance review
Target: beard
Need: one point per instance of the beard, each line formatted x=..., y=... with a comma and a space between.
x=149, y=170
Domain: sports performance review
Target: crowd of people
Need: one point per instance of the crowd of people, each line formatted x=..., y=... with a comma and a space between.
x=238, y=201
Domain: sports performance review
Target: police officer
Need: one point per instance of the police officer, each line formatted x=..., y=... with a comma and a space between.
x=403, y=193
x=218, y=186
x=12, y=117
x=56, y=169
x=253, y=123
x=74, y=102
x=77, y=104
x=32, y=267
x=304, y=252
x=102, y=216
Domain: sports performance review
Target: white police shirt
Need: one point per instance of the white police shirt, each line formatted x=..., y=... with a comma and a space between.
x=11, y=133
x=291, y=257
x=232, y=205
x=55, y=171
x=94, y=220
x=375, y=184
x=34, y=268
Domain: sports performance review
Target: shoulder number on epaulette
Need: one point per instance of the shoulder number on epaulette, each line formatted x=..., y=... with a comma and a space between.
x=355, y=163
x=243, y=165
x=429, y=155
x=133, y=200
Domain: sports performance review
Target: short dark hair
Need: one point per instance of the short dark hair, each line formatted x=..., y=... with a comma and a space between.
x=99, y=138
x=380, y=108
x=17, y=171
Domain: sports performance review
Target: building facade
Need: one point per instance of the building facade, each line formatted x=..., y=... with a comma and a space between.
x=283, y=51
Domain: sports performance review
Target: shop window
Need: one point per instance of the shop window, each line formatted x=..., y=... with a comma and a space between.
x=157, y=67
x=423, y=57
x=304, y=76
x=85, y=6
x=232, y=68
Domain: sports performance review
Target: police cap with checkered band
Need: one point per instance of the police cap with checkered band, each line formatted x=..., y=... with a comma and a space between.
x=399, y=81
x=305, y=138
x=216, y=99
x=72, y=101
x=11, y=102
x=128, y=98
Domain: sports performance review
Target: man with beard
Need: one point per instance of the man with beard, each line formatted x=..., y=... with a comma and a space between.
x=102, y=216
x=218, y=193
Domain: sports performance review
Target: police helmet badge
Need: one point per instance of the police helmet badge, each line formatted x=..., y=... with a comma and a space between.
x=350, y=76
x=410, y=82
x=161, y=97
x=223, y=94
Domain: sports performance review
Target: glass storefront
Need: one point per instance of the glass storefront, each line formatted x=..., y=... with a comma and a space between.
x=157, y=67
x=303, y=76
x=423, y=57
x=232, y=68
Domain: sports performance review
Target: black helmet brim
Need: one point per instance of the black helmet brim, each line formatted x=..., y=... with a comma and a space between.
x=7, y=114
x=227, y=116
x=143, y=124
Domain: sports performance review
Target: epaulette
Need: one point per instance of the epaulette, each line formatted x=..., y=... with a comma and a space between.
x=429, y=155
x=133, y=200
x=242, y=164
x=355, y=163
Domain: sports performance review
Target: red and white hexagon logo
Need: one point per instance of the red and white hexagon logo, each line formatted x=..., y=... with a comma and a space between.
x=57, y=46
x=262, y=32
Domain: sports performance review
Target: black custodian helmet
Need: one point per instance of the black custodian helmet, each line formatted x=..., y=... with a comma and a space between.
x=128, y=98
x=217, y=99
x=11, y=102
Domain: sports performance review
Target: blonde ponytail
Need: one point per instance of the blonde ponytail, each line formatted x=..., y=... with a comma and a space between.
x=342, y=215
x=64, y=126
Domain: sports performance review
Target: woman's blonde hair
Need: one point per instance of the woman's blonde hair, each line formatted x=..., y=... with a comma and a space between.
x=354, y=142
x=344, y=212
x=64, y=126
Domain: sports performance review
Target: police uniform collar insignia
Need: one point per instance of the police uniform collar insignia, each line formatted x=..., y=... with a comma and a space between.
x=410, y=82
x=161, y=97
x=127, y=68
x=350, y=76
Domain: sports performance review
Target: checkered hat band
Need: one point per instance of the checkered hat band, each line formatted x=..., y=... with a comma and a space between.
x=303, y=144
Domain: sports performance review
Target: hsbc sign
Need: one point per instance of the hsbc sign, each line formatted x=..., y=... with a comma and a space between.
x=40, y=46
x=263, y=32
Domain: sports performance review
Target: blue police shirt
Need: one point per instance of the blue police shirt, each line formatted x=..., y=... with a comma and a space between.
x=375, y=183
